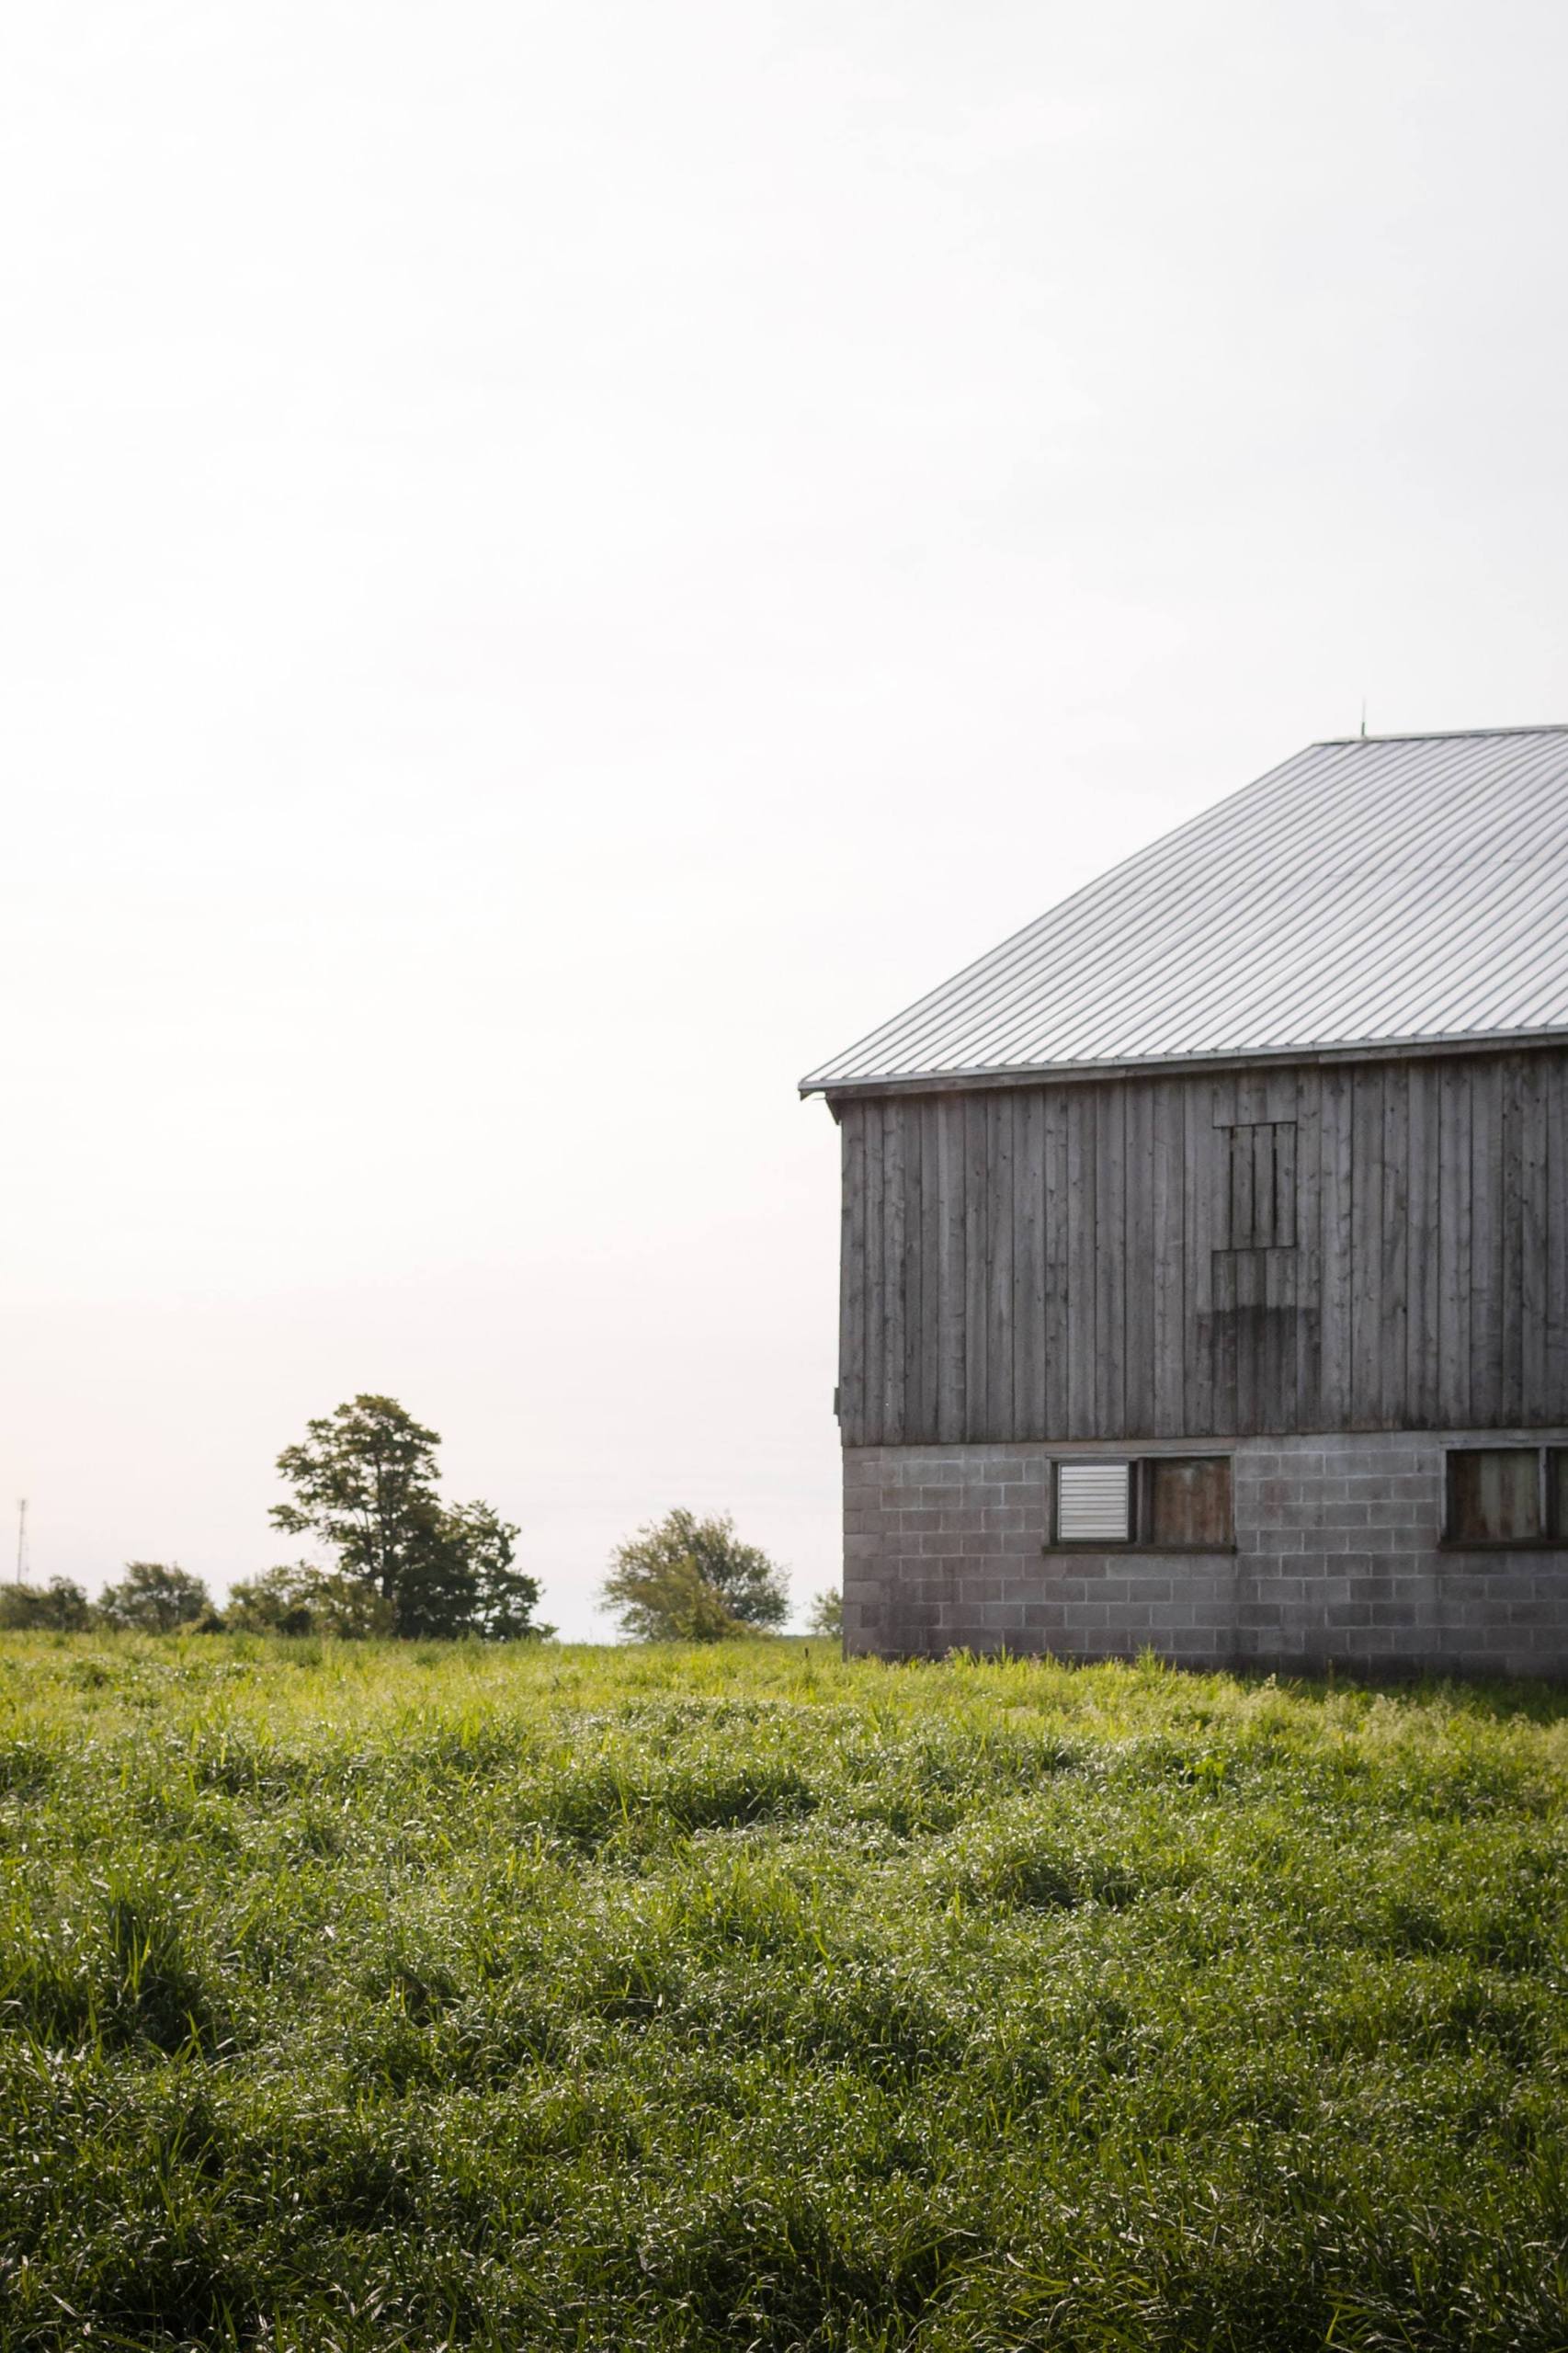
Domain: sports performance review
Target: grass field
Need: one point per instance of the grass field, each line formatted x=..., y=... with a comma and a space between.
x=366, y=1997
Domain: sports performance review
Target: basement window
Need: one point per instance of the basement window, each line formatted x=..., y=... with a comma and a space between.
x=1188, y=1501
x=1163, y=1503
x=1094, y=1503
x=1507, y=1495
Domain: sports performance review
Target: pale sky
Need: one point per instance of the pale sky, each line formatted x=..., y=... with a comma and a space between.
x=561, y=561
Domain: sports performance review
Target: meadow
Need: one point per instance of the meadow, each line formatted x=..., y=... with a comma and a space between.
x=362, y=1996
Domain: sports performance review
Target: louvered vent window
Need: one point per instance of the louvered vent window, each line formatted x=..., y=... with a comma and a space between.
x=1093, y=1503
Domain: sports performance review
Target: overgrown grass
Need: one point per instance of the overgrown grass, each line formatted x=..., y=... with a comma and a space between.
x=364, y=1998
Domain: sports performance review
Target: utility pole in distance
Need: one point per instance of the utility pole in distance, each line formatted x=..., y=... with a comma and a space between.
x=22, y=1541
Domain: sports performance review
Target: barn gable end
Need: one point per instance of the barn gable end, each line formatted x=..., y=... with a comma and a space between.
x=1285, y=1234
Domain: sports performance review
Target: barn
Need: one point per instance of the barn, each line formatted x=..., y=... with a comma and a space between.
x=1205, y=1245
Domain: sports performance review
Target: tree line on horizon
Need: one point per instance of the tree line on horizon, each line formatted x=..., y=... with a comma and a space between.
x=407, y=1565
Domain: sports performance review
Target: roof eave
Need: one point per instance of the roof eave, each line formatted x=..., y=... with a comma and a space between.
x=1360, y=1049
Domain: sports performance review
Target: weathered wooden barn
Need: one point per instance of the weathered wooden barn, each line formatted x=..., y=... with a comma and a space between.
x=1205, y=1252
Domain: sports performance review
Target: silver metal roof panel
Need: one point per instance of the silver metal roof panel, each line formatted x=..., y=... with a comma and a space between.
x=1393, y=890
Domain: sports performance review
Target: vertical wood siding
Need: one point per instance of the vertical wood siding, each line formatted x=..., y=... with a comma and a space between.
x=1056, y=1262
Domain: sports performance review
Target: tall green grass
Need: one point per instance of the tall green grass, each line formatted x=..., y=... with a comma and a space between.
x=374, y=1997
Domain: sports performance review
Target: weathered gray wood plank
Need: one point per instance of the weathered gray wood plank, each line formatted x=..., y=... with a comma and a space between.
x=950, y=1165
x=894, y=1272
x=1511, y=1219
x=1001, y=1408
x=1534, y=1222
x=1308, y=1249
x=1281, y=1306
x=1204, y=1161
x=1058, y=1412
x=977, y=1420
x=1420, y=1387
x=1453, y=1245
x=908, y=1398
x=1366, y=1247
x=1028, y=1265
x=876, y=1275
x=1110, y=1260
x=852, y=1278
x=1555, y=1407
x=1393, y=1299
x=1080, y=1136
x=1138, y=1367
x=1337, y=1198
x=925, y=1338
x=1168, y=1244
x=1485, y=1242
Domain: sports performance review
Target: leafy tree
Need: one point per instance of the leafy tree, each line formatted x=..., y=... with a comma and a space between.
x=684, y=1579
x=502, y=1599
x=272, y=1603
x=299, y=1599
x=825, y=1615
x=669, y=1602
x=153, y=1597
x=436, y=1591
x=58, y=1606
x=365, y=1486
x=458, y=1579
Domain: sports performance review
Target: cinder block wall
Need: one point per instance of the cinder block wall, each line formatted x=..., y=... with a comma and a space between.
x=1338, y=1558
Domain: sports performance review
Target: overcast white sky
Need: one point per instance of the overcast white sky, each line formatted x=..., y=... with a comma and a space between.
x=561, y=561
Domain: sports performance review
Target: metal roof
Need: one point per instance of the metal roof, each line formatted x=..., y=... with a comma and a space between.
x=1393, y=889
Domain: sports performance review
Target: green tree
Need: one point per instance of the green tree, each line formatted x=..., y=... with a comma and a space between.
x=275, y=1602
x=365, y=1486
x=299, y=1599
x=58, y=1606
x=459, y=1580
x=684, y=1579
x=825, y=1615
x=153, y=1597
x=502, y=1599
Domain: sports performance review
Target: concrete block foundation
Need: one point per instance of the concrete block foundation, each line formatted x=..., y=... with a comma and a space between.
x=1338, y=1560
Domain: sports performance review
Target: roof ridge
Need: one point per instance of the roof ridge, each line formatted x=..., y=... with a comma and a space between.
x=1437, y=735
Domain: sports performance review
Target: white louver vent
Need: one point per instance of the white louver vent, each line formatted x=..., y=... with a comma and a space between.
x=1092, y=1502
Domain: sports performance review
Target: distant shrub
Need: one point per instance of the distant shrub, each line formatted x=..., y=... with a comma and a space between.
x=153, y=1597
x=683, y=1579
x=297, y=1599
x=59, y=1607
x=825, y=1615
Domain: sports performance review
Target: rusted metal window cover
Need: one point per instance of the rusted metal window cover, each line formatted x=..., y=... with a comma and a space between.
x=1189, y=1500
x=1495, y=1495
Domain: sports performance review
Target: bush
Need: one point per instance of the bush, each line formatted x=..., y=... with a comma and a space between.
x=298, y=1598
x=825, y=1615
x=682, y=1579
x=153, y=1597
x=59, y=1606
